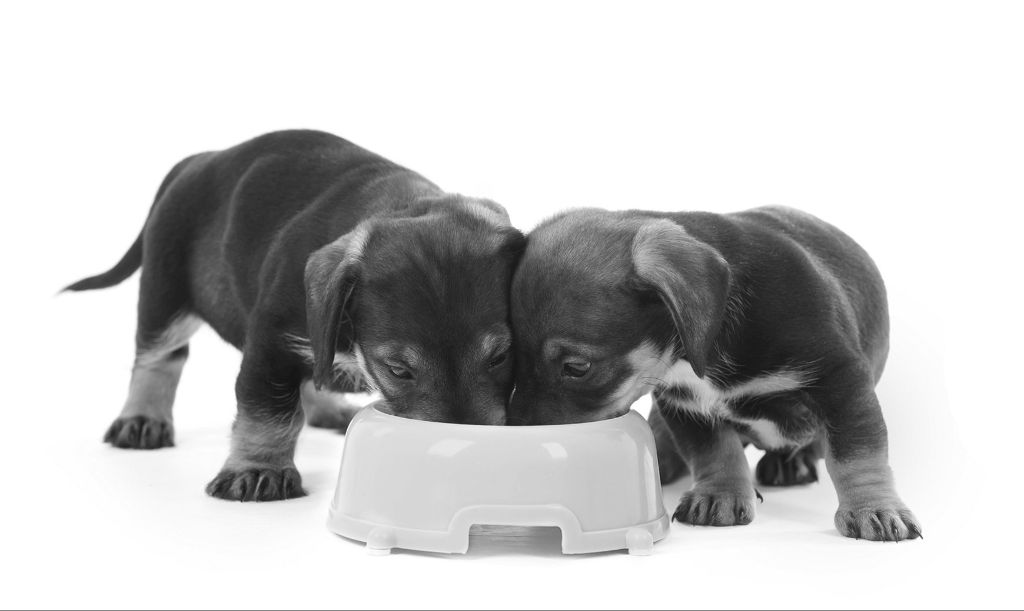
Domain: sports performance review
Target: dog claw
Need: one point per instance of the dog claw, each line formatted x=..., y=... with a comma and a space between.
x=915, y=530
x=708, y=507
x=883, y=524
x=257, y=484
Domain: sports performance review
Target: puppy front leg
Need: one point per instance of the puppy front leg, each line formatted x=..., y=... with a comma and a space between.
x=857, y=458
x=723, y=489
x=261, y=465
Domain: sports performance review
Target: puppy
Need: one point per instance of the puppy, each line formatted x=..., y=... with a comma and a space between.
x=767, y=326
x=332, y=270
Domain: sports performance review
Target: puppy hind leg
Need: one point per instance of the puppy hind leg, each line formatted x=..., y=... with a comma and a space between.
x=789, y=468
x=146, y=421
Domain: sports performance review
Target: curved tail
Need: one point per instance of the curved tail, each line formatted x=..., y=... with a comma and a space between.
x=131, y=261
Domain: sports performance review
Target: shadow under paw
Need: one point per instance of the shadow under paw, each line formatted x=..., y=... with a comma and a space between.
x=140, y=433
x=792, y=469
x=706, y=507
x=878, y=524
x=259, y=484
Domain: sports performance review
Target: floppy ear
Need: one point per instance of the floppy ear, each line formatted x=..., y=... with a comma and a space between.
x=692, y=280
x=493, y=212
x=513, y=242
x=331, y=275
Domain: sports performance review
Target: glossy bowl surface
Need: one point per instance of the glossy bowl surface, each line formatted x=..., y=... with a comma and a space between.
x=422, y=485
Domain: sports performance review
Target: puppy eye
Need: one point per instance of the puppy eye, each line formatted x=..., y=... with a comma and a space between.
x=498, y=359
x=575, y=369
x=400, y=372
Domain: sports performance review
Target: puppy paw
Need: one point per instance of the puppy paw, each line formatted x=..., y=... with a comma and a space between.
x=326, y=409
x=256, y=483
x=711, y=506
x=884, y=523
x=778, y=469
x=336, y=419
x=140, y=433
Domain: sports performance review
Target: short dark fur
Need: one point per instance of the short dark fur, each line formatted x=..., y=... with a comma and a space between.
x=253, y=238
x=738, y=296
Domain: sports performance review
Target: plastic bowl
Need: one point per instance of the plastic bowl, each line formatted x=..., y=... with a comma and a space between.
x=421, y=486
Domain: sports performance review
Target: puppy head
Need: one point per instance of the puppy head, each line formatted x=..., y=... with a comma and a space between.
x=602, y=303
x=422, y=301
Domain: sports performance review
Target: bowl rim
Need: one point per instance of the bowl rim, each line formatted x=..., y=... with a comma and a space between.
x=513, y=430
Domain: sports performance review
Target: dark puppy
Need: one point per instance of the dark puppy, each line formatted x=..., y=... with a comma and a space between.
x=767, y=326
x=331, y=269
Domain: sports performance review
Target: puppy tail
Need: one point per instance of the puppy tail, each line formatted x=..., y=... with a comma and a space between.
x=131, y=261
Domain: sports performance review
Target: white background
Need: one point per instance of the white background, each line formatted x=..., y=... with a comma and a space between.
x=902, y=123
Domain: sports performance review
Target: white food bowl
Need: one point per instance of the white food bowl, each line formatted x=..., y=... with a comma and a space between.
x=422, y=485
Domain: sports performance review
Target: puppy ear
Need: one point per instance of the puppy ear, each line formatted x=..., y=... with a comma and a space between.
x=513, y=242
x=331, y=275
x=492, y=212
x=692, y=280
